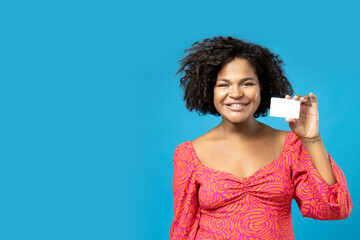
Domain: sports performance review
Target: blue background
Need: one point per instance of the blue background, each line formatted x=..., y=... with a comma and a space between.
x=91, y=111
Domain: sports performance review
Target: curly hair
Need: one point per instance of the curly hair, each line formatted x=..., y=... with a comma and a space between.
x=205, y=60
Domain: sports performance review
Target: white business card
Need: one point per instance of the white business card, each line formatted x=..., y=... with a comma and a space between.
x=286, y=108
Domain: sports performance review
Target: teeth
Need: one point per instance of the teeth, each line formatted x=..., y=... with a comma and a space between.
x=238, y=104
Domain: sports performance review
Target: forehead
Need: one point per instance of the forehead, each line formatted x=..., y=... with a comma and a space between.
x=237, y=69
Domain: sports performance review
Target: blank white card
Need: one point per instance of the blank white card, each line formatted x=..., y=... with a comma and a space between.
x=286, y=108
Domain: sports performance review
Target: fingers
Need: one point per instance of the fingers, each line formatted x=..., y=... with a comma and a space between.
x=297, y=97
x=313, y=98
x=306, y=99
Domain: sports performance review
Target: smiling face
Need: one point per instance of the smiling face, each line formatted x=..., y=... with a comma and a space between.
x=237, y=83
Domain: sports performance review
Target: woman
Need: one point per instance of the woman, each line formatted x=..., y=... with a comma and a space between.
x=237, y=181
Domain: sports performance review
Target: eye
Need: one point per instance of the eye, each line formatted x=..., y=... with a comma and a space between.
x=247, y=84
x=222, y=85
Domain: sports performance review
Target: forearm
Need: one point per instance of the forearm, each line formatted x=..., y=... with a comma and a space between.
x=319, y=157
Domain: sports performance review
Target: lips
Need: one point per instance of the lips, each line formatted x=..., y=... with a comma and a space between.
x=236, y=103
x=236, y=108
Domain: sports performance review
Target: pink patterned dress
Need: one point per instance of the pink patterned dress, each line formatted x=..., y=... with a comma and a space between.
x=213, y=204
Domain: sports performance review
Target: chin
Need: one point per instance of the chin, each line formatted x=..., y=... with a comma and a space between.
x=237, y=119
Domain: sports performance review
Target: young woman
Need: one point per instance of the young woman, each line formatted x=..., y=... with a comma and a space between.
x=237, y=181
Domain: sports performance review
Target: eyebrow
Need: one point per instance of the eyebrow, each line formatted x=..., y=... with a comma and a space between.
x=242, y=80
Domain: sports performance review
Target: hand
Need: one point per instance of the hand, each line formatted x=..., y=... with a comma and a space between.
x=307, y=126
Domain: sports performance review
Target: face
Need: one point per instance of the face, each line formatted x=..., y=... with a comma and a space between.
x=237, y=83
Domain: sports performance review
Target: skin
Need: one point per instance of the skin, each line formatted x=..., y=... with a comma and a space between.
x=244, y=86
x=237, y=140
x=240, y=135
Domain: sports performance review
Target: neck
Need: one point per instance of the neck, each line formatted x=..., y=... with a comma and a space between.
x=240, y=131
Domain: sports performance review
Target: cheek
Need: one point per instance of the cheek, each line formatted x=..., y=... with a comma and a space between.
x=254, y=93
x=258, y=96
x=215, y=97
x=219, y=94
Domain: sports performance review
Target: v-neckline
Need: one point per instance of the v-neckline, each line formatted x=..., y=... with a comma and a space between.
x=242, y=179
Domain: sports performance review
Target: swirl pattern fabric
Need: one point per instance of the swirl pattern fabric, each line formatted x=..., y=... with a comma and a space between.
x=213, y=204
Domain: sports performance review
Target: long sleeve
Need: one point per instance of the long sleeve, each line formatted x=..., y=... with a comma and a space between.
x=185, y=191
x=315, y=198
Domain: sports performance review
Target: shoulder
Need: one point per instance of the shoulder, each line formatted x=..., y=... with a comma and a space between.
x=291, y=140
x=183, y=152
x=274, y=138
x=280, y=134
x=288, y=139
x=274, y=134
x=201, y=145
x=294, y=145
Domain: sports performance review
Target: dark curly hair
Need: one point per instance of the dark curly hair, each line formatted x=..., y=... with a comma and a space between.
x=206, y=59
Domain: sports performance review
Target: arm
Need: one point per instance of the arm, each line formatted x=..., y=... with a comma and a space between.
x=320, y=159
x=320, y=186
x=307, y=129
x=185, y=191
x=315, y=197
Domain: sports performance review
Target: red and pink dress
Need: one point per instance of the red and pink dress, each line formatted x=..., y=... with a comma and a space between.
x=213, y=204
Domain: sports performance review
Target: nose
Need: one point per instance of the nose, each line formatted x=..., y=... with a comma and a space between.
x=236, y=92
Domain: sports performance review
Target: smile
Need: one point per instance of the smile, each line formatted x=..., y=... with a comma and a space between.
x=236, y=107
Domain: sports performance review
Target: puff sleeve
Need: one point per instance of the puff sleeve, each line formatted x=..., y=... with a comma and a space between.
x=185, y=192
x=315, y=198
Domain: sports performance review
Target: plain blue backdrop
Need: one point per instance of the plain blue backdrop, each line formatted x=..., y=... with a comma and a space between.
x=91, y=112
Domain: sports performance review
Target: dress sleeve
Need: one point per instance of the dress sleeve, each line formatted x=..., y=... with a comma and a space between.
x=185, y=191
x=315, y=198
